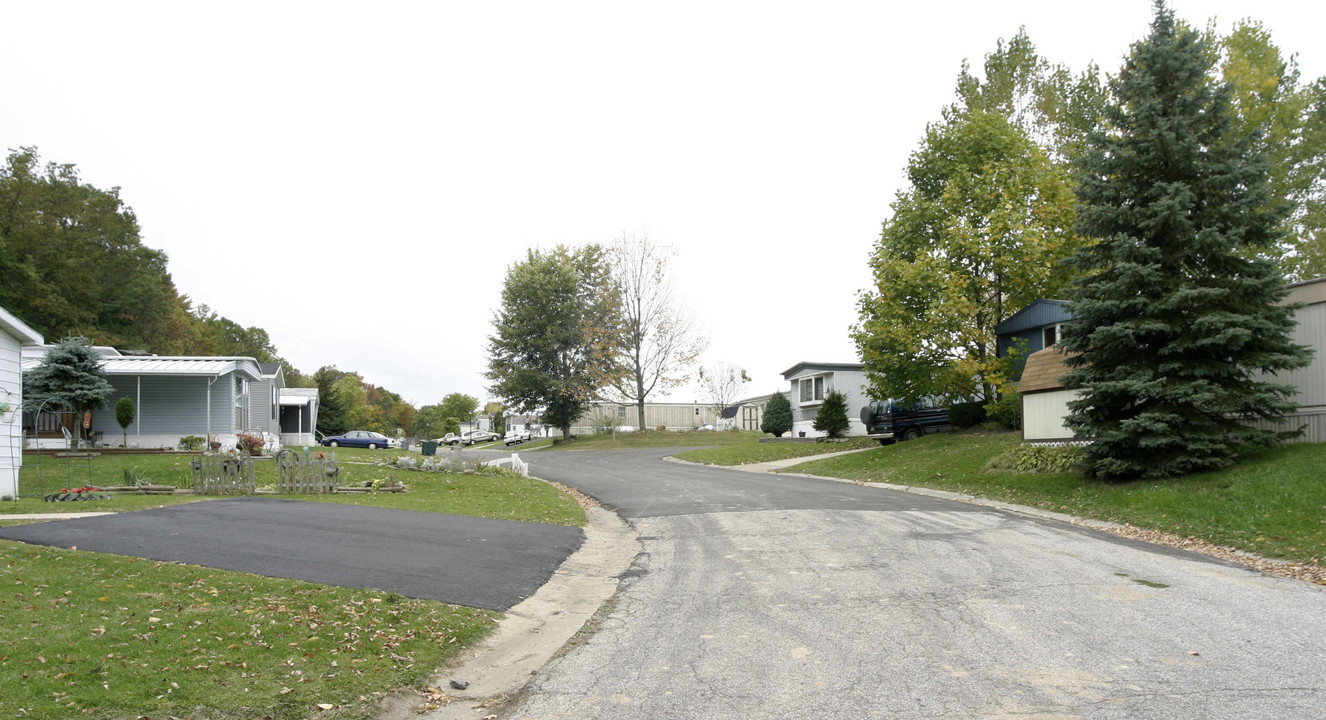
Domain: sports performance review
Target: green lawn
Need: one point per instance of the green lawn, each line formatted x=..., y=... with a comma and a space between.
x=506, y=497
x=104, y=636
x=754, y=451
x=499, y=496
x=658, y=439
x=1272, y=502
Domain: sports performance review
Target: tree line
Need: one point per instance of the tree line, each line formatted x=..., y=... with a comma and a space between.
x=72, y=264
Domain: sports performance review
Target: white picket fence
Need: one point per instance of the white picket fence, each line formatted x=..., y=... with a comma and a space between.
x=514, y=462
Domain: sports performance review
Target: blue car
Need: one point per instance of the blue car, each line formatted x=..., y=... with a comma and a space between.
x=359, y=439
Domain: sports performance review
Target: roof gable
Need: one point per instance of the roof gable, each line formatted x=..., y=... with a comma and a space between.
x=19, y=329
x=1038, y=314
x=1043, y=370
x=821, y=367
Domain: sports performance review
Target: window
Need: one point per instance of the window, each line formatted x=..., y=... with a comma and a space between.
x=241, y=403
x=274, y=404
x=812, y=389
x=1050, y=335
x=621, y=411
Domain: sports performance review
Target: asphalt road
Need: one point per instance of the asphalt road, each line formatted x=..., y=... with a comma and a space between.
x=479, y=562
x=761, y=596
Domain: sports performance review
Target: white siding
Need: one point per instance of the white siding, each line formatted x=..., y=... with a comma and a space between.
x=1310, y=382
x=260, y=406
x=172, y=406
x=1043, y=415
x=11, y=423
x=851, y=383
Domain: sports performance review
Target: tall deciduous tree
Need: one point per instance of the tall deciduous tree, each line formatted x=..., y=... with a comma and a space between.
x=69, y=377
x=1056, y=108
x=722, y=383
x=556, y=335
x=459, y=406
x=1174, y=319
x=661, y=339
x=979, y=234
x=1287, y=120
x=428, y=422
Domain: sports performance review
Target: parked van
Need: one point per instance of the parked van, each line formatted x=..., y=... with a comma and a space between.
x=888, y=420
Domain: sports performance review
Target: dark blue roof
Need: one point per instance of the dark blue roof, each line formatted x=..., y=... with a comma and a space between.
x=1038, y=314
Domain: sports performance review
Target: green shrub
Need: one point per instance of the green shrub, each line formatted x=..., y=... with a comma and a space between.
x=832, y=417
x=966, y=414
x=191, y=443
x=1007, y=410
x=1037, y=459
x=777, y=416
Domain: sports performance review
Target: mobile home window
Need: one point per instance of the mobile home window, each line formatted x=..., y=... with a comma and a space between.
x=241, y=403
x=812, y=389
x=1051, y=335
x=621, y=411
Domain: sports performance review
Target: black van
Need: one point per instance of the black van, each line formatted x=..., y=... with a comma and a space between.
x=887, y=420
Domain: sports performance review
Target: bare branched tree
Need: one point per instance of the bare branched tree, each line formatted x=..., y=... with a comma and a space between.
x=722, y=384
x=661, y=338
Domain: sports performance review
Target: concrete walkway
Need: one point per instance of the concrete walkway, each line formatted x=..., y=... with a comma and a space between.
x=51, y=516
x=775, y=465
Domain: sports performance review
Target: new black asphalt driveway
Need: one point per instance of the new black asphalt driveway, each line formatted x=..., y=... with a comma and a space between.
x=479, y=562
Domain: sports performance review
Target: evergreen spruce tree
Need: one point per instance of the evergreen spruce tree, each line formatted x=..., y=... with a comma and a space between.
x=1174, y=326
x=832, y=417
x=777, y=416
x=69, y=378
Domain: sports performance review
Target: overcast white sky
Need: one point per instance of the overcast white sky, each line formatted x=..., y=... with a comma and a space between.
x=356, y=178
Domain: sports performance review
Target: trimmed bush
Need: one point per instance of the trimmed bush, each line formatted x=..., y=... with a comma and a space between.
x=832, y=417
x=967, y=414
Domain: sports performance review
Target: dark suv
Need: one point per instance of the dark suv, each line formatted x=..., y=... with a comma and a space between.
x=888, y=420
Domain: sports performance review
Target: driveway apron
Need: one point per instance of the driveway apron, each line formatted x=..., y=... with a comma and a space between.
x=479, y=562
x=762, y=596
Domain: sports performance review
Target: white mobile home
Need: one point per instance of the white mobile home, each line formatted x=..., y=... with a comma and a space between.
x=299, y=416
x=811, y=382
x=174, y=397
x=14, y=335
x=1309, y=382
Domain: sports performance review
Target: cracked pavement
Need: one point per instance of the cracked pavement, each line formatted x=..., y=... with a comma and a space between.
x=762, y=596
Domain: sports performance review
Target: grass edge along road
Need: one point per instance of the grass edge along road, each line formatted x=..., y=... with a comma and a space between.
x=747, y=453
x=1272, y=502
x=94, y=635
x=500, y=495
x=656, y=439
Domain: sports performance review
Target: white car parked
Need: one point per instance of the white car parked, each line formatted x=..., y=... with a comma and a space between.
x=516, y=436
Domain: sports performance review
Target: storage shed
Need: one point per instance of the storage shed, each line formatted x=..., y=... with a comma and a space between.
x=1044, y=399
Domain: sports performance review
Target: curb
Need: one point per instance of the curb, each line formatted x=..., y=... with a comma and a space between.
x=52, y=516
x=533, y=631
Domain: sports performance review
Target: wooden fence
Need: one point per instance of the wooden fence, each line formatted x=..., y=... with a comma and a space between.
x=298, y=473
x=222, y=475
